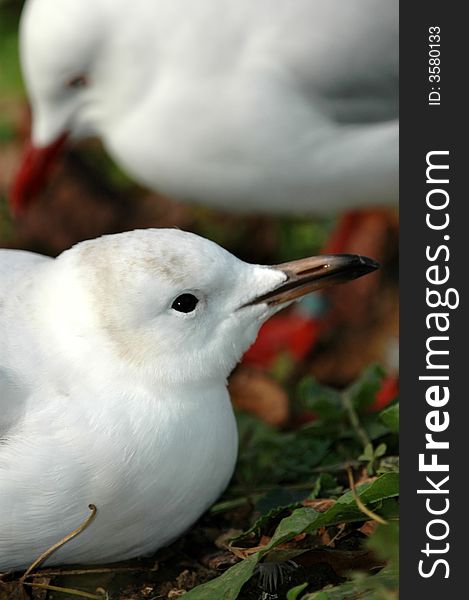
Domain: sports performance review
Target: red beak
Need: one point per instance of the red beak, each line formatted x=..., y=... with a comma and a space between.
x=36, y=165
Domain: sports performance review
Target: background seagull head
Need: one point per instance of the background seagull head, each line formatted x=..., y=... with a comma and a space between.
x=178, y=306
x=59, y=45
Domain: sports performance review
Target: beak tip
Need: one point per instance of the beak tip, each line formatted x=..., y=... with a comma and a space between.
x=369, y=264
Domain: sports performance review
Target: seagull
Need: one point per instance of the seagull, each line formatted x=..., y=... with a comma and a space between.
x=113, y=369
x=273, y=106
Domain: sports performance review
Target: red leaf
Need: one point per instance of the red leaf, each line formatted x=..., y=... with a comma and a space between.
x=293, y=334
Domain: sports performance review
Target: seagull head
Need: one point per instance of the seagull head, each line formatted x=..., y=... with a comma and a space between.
x=179, y=307
x=59, y=46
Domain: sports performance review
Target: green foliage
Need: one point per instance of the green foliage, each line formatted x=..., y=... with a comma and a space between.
x=371, y=455
x=278, y=469
x=326, y=402
x=344, y=418
x=7, y=131
x=295, y=592
x=326, y=486
x=269, y=456
x=10, y=73
x=382, y=586
x=390, y=417
x=363, y=391
x=228, y=585
x=302, y=237
x=302, y=520
x=385, y=543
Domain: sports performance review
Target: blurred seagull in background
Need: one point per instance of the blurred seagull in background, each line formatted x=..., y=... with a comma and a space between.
x=274, y=106
x=113, y=368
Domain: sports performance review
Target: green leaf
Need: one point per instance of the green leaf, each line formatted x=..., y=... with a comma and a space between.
x=228, y=585
x=374, y=427
x=380, y=450
x=307, y=520
x=386, y=486
x=326, y=402
x=363, y=391
x=296, y=591
x=374, y=587
x=385, y=542
x=279, y=498
x=389, y=509
x=325, y=485
x=388, y=463
x=230, y=504
x=390, y=417
x=272, y=504
x=368, y=453
x=299, y=521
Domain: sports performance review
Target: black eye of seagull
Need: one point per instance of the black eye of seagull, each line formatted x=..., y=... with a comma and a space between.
x=185, y=303
x=77, y=82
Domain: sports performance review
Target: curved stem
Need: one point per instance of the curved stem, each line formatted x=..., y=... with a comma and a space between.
x=60, y=543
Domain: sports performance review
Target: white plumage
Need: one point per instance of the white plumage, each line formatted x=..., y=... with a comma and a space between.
x=113, y=367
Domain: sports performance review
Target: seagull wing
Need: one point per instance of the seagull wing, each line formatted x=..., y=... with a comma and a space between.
x=16, y=269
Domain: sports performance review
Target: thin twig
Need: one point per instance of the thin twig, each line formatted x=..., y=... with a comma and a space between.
x=71, y=591
x=340, y=531
x=60, y=543
x=336, y=466
x=98, y=571
x=354, y=420
x=261, y=490
x=360, y=504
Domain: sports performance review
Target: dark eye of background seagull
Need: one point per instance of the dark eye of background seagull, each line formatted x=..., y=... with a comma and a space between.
x=185, y=303
x=77, y=82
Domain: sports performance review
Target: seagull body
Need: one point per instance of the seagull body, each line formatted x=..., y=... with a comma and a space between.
x=113, y=368
x=275, y=106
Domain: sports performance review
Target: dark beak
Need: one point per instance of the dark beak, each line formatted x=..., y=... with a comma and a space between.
x=310, y=274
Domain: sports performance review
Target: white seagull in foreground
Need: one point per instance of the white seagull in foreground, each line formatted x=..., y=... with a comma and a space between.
x=113, y=368
x=256, y=105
